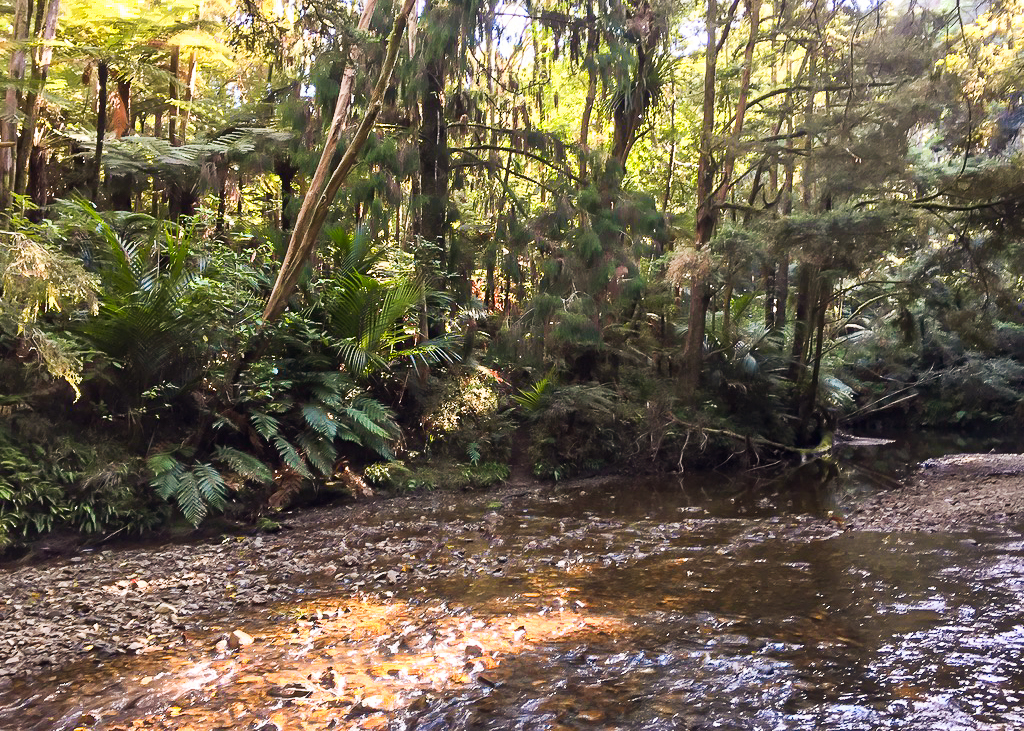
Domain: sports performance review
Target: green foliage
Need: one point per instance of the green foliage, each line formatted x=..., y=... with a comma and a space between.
x=535, y=397
x=147, y=325
x=463, y=416
x=195, y=488
x=35, y=279
x=62, y=482
x=580, y=430
x=392, y=475
x=485, y=474
x=374, y=321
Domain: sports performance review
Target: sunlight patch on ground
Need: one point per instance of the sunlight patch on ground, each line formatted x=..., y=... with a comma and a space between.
x=350, y=665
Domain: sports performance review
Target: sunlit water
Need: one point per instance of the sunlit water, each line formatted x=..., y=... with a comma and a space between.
x=693, y=603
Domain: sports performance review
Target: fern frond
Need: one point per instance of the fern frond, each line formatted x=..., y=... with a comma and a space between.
x=291, y=457
x=363, y=422
x=189, y=498
x=266, y=426
x=320, y=420
x=244, y=464
x=535, y=397
x=319, y=451
x=211, y=486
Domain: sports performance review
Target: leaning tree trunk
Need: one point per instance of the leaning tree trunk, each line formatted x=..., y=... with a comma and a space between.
x=314, y=208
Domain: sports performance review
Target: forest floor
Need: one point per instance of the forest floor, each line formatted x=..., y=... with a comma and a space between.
x=956, y=492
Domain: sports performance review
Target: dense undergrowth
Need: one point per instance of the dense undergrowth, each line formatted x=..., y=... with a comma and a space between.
x=139, y=387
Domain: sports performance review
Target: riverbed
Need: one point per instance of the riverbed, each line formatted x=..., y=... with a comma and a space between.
x=695, y=601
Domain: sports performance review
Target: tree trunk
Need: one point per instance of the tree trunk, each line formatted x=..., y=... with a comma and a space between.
x=46, y=30
x=9, y=126
x=172, y=96
x=101, y=127
x=810, y=392
x=223, y=168
x=190, y=88
x=593, y=44
x=693, y=351
x=670, y=172
x=286, y=174
x=434, y=167
x=314, y=208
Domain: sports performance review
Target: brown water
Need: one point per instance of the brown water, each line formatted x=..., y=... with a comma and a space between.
x=699, y=603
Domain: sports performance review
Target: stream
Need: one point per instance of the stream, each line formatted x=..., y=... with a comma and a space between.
x=699, y=601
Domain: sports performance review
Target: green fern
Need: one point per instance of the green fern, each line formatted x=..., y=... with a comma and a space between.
x=319, y=420
x=211, y=486
x=267, y=426
x=245, y=465
x=290, y=456
x=535, y=397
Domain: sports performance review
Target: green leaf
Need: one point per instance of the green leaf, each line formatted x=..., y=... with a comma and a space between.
x=319, y=451
x=267, y=426
x=211, y=486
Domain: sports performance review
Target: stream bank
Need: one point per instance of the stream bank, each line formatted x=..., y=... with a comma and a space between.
x=952, y=493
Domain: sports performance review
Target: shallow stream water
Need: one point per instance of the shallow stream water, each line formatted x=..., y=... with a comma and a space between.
x=694, y=602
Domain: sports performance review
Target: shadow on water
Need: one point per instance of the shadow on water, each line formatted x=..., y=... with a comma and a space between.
x=699, y=602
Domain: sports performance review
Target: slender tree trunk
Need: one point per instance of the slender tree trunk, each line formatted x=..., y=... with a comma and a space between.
x=782, y=268
x=810, y=392
x=101, y=128
x=9, y=126
x=808, y=273
x=172, y=96
x=46, y=30
x=286, y=172
x=314, y=208
x=729, y=160
x=190, y=90
x=806, y=294
x=593, y=44
x=119, y=187
x=693, y=352
x=434, y=167
x=223, y=168
x=670, y=172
